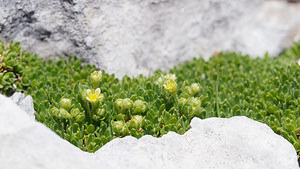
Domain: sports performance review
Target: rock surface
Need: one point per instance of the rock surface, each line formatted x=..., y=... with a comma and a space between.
x=237, y=142
x=25, y=103
x=138, y=36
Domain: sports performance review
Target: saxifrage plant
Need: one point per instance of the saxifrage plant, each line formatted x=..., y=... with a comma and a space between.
x=89, y=108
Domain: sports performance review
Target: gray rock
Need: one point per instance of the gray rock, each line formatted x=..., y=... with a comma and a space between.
x=138, y=36
x=238, y=142
x=25, y=103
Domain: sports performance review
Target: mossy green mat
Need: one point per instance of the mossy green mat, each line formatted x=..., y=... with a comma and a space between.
x=89, y=109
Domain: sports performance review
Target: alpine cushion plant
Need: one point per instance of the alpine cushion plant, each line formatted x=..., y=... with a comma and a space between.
x=89, y=108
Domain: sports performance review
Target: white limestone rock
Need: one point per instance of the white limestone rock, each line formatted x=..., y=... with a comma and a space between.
x=234, y=143
x=138, y=36
x=25, y=103
x=27, y=144
x=238, y=142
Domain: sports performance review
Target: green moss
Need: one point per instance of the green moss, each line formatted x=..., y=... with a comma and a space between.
x=229, y=84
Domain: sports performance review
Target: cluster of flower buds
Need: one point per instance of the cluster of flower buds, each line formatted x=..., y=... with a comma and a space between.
x=139, y=106
x=123, y=104
x=195, y=104
x=137, y=122
x=77, y=115
x=67, y=112
x=120, y=128
x=182, y=102
x=193, y=89
x=60, y=114
x=192, y=105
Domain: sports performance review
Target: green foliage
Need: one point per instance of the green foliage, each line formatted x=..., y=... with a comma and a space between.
x=89, y=108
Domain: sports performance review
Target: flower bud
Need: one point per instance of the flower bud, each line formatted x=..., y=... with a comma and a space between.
x=96, y=77
x=77, y=115
x=182, y=101
x=74, y=112
x=54, y=112
x=139, y=106
x=195, y=106
x=63, y=114
x=195, y=88
x=119, y=103
x=100, y=112
x=195, y=102
x=136, y=122
x=120, y=128
x=127, y=103
x=96, y=118
x=65, y=103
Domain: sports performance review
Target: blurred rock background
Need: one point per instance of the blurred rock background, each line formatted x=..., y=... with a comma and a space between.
x=138, y=36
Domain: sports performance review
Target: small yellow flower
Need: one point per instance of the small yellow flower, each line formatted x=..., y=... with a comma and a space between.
x=170, y=86
x=93, y=95
x=96, y=78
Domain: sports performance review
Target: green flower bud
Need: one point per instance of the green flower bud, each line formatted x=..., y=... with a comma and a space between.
x=96, y=117
x=63, y=114
x=100, y=112
x=123, y=104
x=120, y=128
x=75, y=112
x=195, y=88
x=127, y=103
x=77, y=115
x=195, y=102
x=188, y=90
x=119, y=103
x=140, y=106
x=182, y=101
x=195, y=107
x=193, y=112
x=137, y=122
x=96, y=77
x=54, y=112
x=65, y=103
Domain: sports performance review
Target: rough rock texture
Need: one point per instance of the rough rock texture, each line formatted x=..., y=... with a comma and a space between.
x=135, y=36
x=26, y=143
x=232, y=143
x=25, y=103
